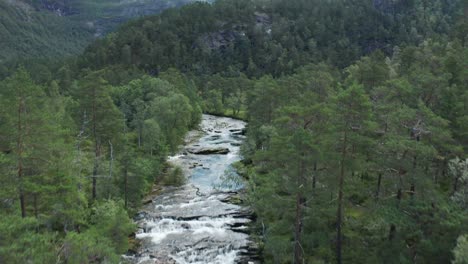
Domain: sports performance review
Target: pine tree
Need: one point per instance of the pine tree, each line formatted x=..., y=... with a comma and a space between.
x=105, y=123
x=25, y=127
x=352, y=110
x=46, y=182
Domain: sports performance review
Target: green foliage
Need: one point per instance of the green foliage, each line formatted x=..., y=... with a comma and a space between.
x=459, y=171
x=213, y=103
x=461, y=251
x=173, y=115
x=87, y=247
x=271, y=38
x=21, y=243
x=35, y=130
x=61, y=154
x=174, y=177
x=109, y=219
x=393, y=144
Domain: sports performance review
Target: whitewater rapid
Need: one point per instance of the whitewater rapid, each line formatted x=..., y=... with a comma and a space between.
x=196, y=223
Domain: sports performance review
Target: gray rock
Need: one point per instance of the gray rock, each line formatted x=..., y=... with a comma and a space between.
x=208, y=151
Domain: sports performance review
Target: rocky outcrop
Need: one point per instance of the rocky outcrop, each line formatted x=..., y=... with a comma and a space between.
x=262, y=20
x=219, y=40
x=59, y=7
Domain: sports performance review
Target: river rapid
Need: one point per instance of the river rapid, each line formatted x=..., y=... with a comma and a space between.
x=197, y=223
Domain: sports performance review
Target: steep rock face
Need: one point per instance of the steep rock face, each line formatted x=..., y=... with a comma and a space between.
x=263, y=20
x=59, y=7
x=222, y=39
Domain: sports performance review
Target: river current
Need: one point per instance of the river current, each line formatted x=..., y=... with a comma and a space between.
x=196, y=223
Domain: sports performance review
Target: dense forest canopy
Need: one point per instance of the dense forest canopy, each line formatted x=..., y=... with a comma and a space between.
x=273, y=38
x=357, y=127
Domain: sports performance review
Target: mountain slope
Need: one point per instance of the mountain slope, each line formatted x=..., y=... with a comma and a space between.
x=28, y=32
x=54, y=28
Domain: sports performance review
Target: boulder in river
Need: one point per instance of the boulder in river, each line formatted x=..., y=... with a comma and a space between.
x=208, y=151
x=147, y=201
x=140, y=216
x=238, y=132
x=215, y=137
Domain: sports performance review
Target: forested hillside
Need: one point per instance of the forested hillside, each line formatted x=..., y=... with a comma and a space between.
x=273, y=38
x=58, y=28
x=357, y=129
x=26, y=32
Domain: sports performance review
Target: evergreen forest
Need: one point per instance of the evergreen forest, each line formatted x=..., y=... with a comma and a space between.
x=357, y=126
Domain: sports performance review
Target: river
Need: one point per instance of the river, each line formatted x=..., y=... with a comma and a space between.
x=196, y=223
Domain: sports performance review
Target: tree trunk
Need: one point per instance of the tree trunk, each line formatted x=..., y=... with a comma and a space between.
x=96, y=147
x=455, y=185
x=298, y=258
x=22, y=204
x=399, y=194
x=36, y=209
x=379, y=182
x=140, y=134
x=21, y=192
x=412, y=190
x=97, y=154
x=126, y=185
x=298, y=230
x=20, y=157
x=391, y=233
x=111, y=161
x=314, y=177
x=412, y=186
x=339, y=213
x=95, y=170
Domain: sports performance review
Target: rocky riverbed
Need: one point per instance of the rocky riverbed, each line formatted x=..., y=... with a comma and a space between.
x=198, y=223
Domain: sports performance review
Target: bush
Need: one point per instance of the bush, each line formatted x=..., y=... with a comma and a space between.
x=461, y=250
x=21, y=242
x=87, y=247
x=174, y=177
x=111, y=221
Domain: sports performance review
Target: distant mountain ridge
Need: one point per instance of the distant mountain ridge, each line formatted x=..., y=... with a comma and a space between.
x=54, y=28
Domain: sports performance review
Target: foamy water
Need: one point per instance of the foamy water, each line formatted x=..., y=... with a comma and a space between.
x=193, y=223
